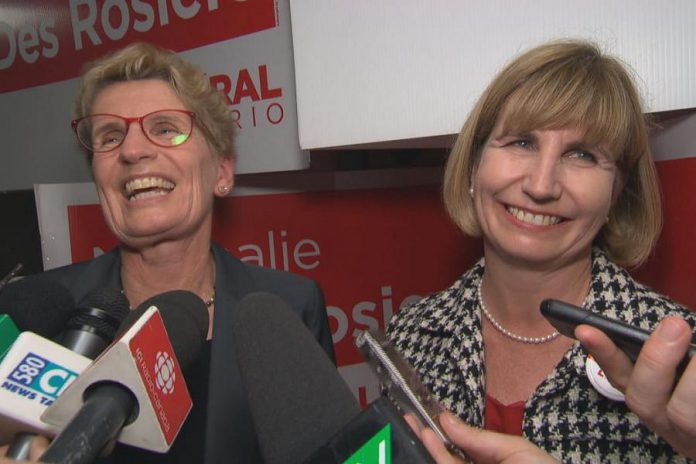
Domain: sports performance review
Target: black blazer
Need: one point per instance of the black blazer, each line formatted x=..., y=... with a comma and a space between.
x=229, y=434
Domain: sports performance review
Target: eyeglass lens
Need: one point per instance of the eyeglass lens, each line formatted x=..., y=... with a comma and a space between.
x=165, y=128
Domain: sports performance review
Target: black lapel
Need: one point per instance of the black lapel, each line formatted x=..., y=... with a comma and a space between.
x=230, y=435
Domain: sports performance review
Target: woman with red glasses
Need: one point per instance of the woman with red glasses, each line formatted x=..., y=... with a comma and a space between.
x=160, y=141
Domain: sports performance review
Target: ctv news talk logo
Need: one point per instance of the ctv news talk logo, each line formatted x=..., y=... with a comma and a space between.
x=37, y=378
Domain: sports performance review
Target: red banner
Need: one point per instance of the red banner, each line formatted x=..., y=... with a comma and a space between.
x=372, y=251
x=375, y=251
x=43, y=42
x=672, y=266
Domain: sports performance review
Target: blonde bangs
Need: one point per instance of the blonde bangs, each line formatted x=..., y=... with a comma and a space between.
x=563, y=85
x=573, y=96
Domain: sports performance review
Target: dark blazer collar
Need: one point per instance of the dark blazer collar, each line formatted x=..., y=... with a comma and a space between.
x=229, y=428
x=227, y=266
x=103, y=271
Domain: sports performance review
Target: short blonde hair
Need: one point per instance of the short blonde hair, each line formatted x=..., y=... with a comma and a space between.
x=560, y=85
x=139, y=61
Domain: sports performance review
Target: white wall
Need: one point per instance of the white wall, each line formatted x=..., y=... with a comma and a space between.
x=372, y=71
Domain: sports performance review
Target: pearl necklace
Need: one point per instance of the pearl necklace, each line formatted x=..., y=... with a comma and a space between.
x=504, y=331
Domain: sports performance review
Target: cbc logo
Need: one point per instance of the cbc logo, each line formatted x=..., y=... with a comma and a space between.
x=164, y=370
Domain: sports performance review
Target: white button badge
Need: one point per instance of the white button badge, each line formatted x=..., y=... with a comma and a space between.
x=600, y=381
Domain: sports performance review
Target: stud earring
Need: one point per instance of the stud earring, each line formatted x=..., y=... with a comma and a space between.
x=471, y=191
x=223, y=189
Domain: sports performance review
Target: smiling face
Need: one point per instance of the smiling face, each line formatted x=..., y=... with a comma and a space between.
x=542, y=196
x=148, y=193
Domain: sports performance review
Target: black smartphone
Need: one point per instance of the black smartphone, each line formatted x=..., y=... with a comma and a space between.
x=565, y=317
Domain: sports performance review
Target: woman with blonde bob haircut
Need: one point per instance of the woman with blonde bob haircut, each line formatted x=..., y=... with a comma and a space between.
x=553, y=170
x=536, y=91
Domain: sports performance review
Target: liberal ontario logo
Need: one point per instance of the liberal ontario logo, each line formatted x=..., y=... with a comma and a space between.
x=164, y=370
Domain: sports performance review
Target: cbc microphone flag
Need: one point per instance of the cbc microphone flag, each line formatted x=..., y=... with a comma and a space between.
x=160, y=372
x=143, y=360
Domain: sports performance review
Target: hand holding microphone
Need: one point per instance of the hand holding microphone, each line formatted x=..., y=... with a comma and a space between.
x=652, y=386
x=36, y=447
x=35, y=369
x=38, y=367
x=446, y=437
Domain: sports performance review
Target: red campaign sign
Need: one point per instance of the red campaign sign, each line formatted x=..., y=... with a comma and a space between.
x=672, y=266
x=370, y=250
x=377, y=249
x=88, y=231
x=43, y=42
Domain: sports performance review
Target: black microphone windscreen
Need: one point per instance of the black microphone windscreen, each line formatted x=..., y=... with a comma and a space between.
x=297, y=398
x=102, y=310
x=185, y=317
x=37, y=304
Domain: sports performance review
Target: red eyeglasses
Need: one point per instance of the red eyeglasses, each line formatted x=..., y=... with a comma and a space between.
x=101, y=133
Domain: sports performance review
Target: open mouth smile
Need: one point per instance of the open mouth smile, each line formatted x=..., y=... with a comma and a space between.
x=531, y=218
x=146, y=187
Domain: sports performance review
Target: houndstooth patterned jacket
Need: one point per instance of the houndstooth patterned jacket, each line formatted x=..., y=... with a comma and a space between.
x=441, y=337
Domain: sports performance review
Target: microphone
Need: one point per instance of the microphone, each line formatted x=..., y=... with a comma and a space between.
x=183, y=320
x=302, y=409
x=35, y=370
x=33, y=374
x=95, y=321
x=135, y=389
x=37, y=304
x=6, y=280
x=8, y=334
x=88, y=332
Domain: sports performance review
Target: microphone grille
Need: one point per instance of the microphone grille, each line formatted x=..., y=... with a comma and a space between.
x=297, y=398
x=38, y=304
x=185, y=317
x=102, y=310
